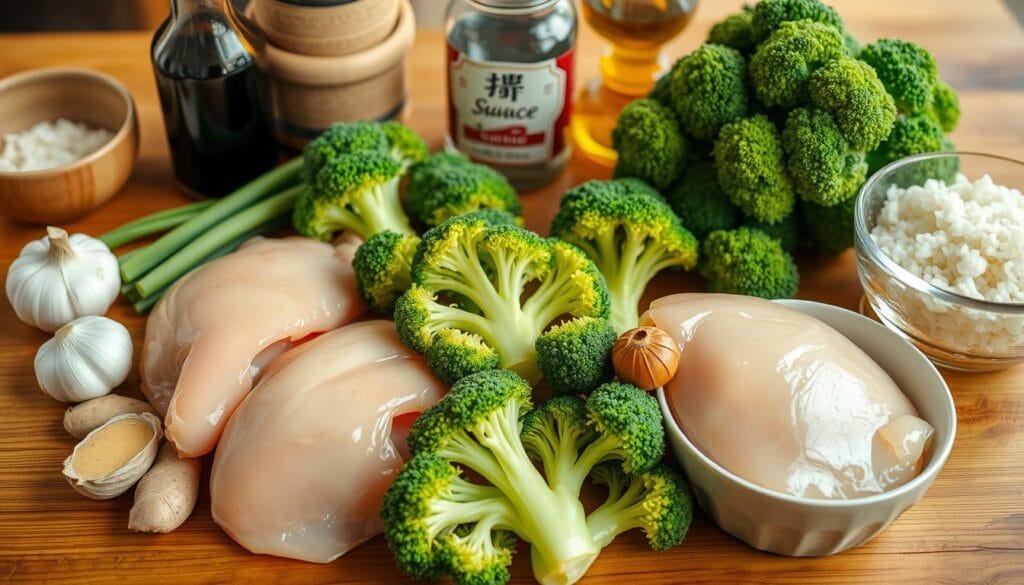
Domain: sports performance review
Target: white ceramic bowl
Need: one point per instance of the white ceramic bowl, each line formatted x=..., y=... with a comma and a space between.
x=794, y=526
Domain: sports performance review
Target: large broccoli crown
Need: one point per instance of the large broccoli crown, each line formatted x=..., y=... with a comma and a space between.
x=769, y=15
x=708, y=89
x=787, y=231
x=907, y=71
x=631, y=235
x=383, y=266
x=915, y=135
x=445, y=185
x=340, y=139
x=357, y=192
x=748, y=262
x=735, y=31
x=824, y=169
x=649, y=143
x=748, y=157
x=628, y=423
x=829, y=228
x=945, y=107
x=656, y=500
x=471, y=274
x=575, y=356
x=699, y=201
x=404, y=144
x=851, y=92
x=783, y=64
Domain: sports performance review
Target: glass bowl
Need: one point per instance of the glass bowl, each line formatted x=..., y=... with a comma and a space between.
x=953, y=330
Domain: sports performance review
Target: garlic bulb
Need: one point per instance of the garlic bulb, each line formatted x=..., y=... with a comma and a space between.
x=112, y=458
x=85, y=359
x=58, y=278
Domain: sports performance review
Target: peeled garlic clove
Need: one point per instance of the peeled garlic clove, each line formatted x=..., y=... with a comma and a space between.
x=87, y=358
x=112, y=458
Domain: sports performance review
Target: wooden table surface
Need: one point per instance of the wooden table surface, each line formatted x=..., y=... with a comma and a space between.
x=969, y=528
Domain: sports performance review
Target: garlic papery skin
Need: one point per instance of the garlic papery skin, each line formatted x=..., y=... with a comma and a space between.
x=85, y=359
x=59, y=278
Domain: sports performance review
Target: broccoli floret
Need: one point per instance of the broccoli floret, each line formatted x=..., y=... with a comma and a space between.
x=769, y=15
x=823, y=167
x=829, y=229
x=575, y=356
x=700, y=203
x=851, y=92
x=437, y=521
x=748, y=262
x=748, y=158
x=907, y=71
x=357, y=192
x=851, y=43
x=736, y=31
x=454, y=354
x=656, y=501
x=443, y=186
x=945, y=107
x=783, y=64
x=786, y=231
x=340, y=139
x=383, y=266
x=472, y=275
x=915, y=135
x=404, y=145
x=631, y=235
x=708, y=89
x=649, y=143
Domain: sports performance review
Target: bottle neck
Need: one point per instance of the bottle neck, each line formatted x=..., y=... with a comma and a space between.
x=186, y=8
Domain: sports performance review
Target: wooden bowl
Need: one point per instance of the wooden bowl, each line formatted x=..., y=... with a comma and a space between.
x=326, y=29
x=80, y=95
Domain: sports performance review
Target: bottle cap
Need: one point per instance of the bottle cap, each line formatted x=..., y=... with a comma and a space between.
x=516, y=5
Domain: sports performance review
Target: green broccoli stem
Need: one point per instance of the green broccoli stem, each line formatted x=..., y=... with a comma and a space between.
x=216, y=237
x=383, y=211
x=219, y=212
x=640, y=260
x=152, y=224
x=621, y=512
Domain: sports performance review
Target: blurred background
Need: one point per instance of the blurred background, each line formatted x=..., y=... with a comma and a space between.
x=70, y=15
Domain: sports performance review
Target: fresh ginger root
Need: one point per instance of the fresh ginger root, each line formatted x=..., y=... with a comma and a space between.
x=166, y=495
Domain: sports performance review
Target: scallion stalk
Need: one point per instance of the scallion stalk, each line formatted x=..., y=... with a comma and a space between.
x=160, y=221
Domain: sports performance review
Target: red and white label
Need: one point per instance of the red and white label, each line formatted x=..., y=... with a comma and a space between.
x=509, y=113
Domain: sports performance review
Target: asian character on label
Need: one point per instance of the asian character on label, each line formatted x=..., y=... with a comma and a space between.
x=504, y=86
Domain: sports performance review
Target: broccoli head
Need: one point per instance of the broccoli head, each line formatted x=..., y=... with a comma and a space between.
x=748, y=262
x=445, y=185
x=649, y=143
x=437, y=521
x=824, y=169
x=945, y=107
x=850, y=91
x=782, y=65
x=829, y=229
x=472, y=275
x=631, y=235
x=915, y=135
x=787, y=231
x=907, y=71
x=736, y=31
x=383, y=266
x=404, y=145
x=575, y=356
x=339, y=139
x=700, y=203
x=769, y=15
x=708, y=89
x=357, y=192
x=748, y=158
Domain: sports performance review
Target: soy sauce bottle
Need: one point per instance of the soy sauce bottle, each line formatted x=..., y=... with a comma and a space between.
x=213, y=96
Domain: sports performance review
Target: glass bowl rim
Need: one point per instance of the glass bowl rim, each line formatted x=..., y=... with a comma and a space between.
x=866, y=243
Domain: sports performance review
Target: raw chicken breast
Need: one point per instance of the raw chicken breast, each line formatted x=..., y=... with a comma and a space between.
x=209, y=336
x=304, y=462
x=785, y=401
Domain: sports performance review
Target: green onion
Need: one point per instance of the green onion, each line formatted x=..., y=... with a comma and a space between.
x=207, y=226
x=152, y=224
x=206, y=242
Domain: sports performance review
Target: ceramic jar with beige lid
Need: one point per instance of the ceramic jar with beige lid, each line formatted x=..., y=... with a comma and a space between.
x=334, y=61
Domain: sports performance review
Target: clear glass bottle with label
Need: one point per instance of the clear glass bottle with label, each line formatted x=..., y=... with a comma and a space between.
x=510, y=70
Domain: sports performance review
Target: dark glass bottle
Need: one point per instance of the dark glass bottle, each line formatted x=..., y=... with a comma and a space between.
x=213, y=96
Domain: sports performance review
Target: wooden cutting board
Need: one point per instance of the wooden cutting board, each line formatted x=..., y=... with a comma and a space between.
x=969, y=528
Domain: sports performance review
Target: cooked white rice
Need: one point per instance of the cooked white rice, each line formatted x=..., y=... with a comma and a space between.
x=50, y=144
x=967, y=237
